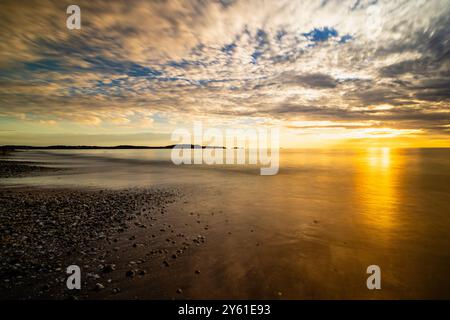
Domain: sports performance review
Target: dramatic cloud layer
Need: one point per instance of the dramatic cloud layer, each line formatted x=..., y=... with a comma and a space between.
x=338, y=69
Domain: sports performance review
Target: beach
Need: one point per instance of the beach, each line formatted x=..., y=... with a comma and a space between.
x=141, y=228
x=117, y=237
x=46, y=230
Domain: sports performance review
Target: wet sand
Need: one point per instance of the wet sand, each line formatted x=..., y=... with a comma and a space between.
x=121, y=239
x=45, y=230
x=13, y=169
x=134, y=243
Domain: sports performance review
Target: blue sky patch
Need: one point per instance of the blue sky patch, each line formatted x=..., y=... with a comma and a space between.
x=255, y=56
x=345, y=38
x=324, y=34
x=229, y=48
x=321, y=34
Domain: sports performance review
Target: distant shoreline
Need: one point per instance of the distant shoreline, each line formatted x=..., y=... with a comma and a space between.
x=83, y=147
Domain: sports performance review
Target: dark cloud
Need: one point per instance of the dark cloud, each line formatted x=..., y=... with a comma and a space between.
x=313, y=80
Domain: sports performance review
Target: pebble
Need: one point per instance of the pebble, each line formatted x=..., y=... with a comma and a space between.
x=99, y=286
x=115, y=290
x=142, y=272
x=109, y=268
x=130, y=273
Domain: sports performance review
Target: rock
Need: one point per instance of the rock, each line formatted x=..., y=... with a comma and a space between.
x=116, y=290
x=92, y=275
x=197, y=271
x=109, y=268
x=142, y=272
x=99, y=286
x=130, y=273
x=179, y=291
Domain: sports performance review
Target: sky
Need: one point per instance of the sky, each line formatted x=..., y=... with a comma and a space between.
x=356, y=73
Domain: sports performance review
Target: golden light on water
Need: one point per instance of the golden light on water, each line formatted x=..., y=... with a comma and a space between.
x=378, y=172
x=379, y=157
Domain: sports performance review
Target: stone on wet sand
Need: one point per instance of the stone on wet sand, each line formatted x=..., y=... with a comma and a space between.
x=130, y=273
x=99, y=286
x=109, y=268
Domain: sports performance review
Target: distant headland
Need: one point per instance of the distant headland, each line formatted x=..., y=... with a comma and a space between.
x=84, y=147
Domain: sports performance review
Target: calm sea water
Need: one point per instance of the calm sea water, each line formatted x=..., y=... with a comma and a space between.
x=309, y=231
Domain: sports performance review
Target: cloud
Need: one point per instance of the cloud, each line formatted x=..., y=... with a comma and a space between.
x=135, y=64
x=315, y=80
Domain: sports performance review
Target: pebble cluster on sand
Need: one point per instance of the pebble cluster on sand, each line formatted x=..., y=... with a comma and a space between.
x=10, y=169
x=120, y=239
x=42, y=230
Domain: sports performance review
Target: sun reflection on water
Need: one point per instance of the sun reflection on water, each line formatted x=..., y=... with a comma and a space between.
x=377, y=179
